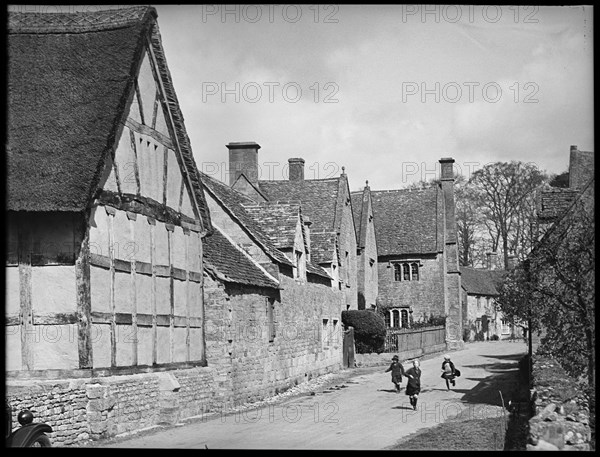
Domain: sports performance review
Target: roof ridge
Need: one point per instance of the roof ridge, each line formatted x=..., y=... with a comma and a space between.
x=77, y=22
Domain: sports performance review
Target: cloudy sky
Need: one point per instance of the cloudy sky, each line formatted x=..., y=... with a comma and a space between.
x=384, y=90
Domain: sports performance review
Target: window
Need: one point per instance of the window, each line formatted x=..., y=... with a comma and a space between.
x=505, y=327
x=271, y=319
x=478, y=302
x=406, y=271
x=386, y=316
x=404, y=317
x=395, y=318
x=325, y=334
x=336, y=332
x=397, y=272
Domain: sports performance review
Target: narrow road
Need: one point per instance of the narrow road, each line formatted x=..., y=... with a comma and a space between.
x=365, y=414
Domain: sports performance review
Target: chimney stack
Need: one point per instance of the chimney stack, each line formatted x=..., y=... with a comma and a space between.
x=243, y=159
x=581, y=167
x=296, y=172
x=492, y=259
x=447, y=172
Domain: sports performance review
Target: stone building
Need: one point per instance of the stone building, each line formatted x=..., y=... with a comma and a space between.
x=362, y=208
x=417, y=254
x=278, y=323
x=325, y=203
x=481, y=319
x=106, y=219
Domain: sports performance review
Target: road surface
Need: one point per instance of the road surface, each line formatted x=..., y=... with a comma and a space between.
x=362, y=413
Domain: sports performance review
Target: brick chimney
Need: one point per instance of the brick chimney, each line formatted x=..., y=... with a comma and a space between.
x=243, y=159
x=492, y=260
x=296, y=169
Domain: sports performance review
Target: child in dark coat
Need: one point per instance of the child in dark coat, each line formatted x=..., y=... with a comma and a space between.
x=449, y=371
x=413, y=386
x=397, y=371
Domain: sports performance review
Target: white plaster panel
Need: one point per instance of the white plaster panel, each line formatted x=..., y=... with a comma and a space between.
x=178, y=240
x=13, y=297
x=173, y=180
x=143, y=285
x=194, y=252
x=164, y=345
x=142, y=239
x=186, y=205
x=195, y=344
x=125, y=162
x=180, y=348
x=161, y=244
x=163, y=304
x=99, y=231
x=124, y=246
x=147, y=87
x=101, y=345
x=56, y=347
x=180, y=297
x=100, y=289
x=12, y=354
x=125, y=341
x=161, y=124
x=123, y=292
x=53, y=289
x=195, y=299
x=144, y=335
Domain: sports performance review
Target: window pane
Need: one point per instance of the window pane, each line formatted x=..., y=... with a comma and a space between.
x=404, y=318
x=415, y=271
x=406, y=271
x=397, y=273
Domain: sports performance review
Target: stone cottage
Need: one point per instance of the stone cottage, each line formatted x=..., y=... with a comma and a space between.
x=106, y=221
x=417, y=254
x=362, y=208
x=273, y=320
x=481, y=319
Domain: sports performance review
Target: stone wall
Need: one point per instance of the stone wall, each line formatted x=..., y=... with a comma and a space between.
x=373, y=359
x=249, y=366
x=425, y=296
x=80, y=410
x=561, y=410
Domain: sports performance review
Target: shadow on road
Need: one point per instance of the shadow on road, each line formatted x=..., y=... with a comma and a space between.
x=393, y=391
x=403, y=407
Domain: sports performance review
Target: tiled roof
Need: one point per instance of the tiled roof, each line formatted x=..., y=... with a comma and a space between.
x=408, y=221
x=69, y=78
x=318, y=197
x=234, y=202
x=554, y=201
x=478, y=281
x=322, y=247
x=229, y=263
x=278, y=220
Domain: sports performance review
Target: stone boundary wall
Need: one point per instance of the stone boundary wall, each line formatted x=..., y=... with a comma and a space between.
x=560, y=408
x=80, y=410
x=373, y=359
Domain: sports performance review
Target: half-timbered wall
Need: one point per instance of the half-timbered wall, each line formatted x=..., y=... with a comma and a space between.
x=41, y=291
x=145, y=246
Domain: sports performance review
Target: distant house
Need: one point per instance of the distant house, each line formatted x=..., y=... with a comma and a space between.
x=272, y=316
x=106, y=221
x=417, y=254
x=368, y=285
x=481, y=319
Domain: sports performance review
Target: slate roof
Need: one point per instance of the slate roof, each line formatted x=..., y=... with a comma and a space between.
x=322, y=247
x=278, y=220
x=479, y=281
x=319, y=198
x=234, y=202
x=69, y=80
x=408, y=221
x=230, y=264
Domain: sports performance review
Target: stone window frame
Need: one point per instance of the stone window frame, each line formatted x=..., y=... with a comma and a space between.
x=396, y=316
x=405, y=270
x=270, y=311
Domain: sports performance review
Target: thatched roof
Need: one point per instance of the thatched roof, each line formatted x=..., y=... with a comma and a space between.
x=70, y=77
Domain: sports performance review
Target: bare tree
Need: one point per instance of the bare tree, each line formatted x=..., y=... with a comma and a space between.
x=504, y=194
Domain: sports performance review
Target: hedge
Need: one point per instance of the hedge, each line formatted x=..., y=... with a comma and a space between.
x=369, y=330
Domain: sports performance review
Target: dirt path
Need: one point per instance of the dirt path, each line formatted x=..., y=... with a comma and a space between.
x=362, y=413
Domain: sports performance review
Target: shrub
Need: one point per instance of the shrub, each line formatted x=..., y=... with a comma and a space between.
x=494, y=338
x=369, y=330
x=466, y=335
x=430, y=321
x=479, y=336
